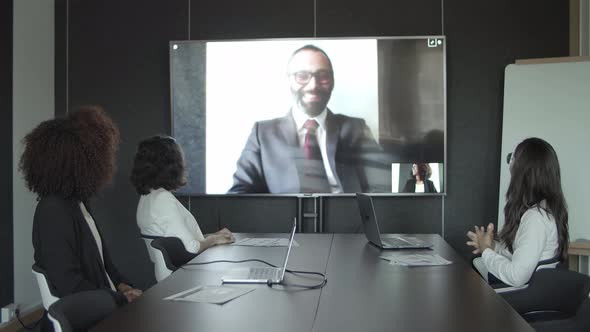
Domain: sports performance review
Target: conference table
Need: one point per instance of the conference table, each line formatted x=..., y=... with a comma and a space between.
x=363, y=293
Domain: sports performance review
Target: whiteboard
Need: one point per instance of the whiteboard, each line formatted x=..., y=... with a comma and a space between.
x=552, y=101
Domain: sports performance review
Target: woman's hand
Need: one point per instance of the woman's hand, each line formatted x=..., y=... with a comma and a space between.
x=220, y=237
x=481, y=239
x=223, y=231
x=224, y=236
x=130, y=293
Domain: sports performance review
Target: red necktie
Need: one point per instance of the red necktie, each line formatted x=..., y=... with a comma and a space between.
x=311, y=148
x=313, y=177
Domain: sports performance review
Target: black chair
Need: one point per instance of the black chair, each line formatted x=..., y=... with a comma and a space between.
x=80, y=311
x=171, y=256
x=552, y=294
x=580, y=322
x=501, y=287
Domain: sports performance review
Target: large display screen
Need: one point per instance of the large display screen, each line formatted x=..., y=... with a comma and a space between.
x=325, y=116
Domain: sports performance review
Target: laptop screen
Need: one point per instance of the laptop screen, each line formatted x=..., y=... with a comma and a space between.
x=368, y=218
x=289, y=248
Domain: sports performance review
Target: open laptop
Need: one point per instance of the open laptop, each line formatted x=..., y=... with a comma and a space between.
x=371, y=227
x=260, y=275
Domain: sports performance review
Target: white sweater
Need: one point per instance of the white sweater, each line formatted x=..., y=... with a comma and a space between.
x=159, y=213
x=536, y=240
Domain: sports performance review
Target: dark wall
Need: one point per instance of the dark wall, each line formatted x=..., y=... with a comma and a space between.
x=6, y=234
x=482, y=39
x=118, y=57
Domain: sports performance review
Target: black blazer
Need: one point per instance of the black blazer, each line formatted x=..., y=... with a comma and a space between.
x=410, y=186
x=268, y=163
x=66, y=250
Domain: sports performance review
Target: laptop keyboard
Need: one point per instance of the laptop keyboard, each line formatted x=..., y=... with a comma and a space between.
x=394, y=242
x=263, y=273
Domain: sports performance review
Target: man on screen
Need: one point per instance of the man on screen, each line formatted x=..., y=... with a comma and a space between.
x=311, y=149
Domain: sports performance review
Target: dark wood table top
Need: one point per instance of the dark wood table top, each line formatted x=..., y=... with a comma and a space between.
x=363, y=293
x=366, y=293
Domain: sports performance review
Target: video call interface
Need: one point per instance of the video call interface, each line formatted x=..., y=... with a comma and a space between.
x=326, y=116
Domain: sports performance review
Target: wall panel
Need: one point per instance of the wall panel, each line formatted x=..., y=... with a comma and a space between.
x=6, y=222
x=257, y=214
x=235, y=19
x=118, y=57
x=345, y=18
x=401, y=214
x=482, y=39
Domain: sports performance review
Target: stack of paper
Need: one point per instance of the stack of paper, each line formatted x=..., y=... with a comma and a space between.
x=210, y=294
x=407, y=259
x=264, y=242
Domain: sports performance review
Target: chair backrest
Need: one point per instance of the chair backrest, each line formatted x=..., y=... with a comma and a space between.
x=171, y=255
x=81, y=311
x=551, y=294
x=501, y=287
x=161, y=270
x=147, y=239
x=551, y=262
x=47, y=296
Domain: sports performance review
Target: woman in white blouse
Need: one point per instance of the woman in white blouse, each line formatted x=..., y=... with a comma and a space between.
x=158, y=169
x=535, y=218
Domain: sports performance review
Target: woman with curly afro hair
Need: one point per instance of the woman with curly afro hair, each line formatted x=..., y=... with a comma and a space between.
x=158, y=169
x=66, y=161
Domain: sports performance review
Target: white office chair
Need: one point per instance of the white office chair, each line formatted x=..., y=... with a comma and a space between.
x=170, y=256
x=80, y=311
x=56, y=324
x=46, y=296
x=160, y=270
x=147, y=239
x=156, y=256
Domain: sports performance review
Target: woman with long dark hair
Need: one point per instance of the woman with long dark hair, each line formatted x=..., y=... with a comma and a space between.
x=535, y=218
x=67, y=161
x=420, y=183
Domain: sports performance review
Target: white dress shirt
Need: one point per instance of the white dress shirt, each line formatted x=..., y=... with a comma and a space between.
x=159, y=213
x=536, y=240
x=300, y=117
x=97, y=239
x=419, y=188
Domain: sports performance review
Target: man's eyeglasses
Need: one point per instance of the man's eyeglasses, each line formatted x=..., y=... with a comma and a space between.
x=321, y=76
x=509, y=158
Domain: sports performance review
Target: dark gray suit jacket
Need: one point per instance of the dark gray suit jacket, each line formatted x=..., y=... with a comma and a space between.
x=267, y=163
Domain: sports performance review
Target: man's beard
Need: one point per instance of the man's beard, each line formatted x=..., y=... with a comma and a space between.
x=313, y=108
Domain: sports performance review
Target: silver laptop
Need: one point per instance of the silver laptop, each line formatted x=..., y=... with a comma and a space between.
x=371, y=227
x=260, y=275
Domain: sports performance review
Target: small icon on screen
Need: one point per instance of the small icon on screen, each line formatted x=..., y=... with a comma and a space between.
x=434, y=42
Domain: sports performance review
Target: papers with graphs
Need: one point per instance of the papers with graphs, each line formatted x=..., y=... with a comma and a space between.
x=412, y=259
x=264, y=242
x=210, y=294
